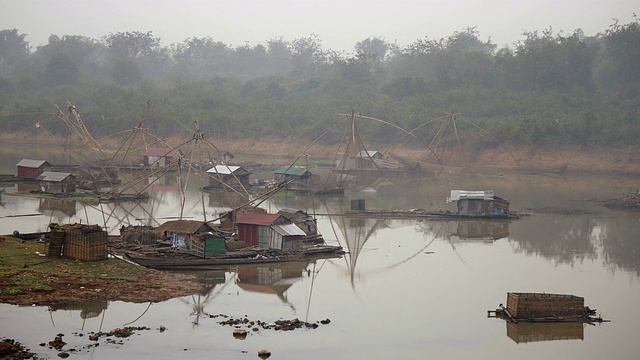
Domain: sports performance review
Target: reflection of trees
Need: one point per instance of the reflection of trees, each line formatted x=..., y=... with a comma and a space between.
x=618, y=239
x=564, y=239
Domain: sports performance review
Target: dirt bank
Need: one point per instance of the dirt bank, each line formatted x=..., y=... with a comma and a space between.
x=27, y=278
x=478, y=157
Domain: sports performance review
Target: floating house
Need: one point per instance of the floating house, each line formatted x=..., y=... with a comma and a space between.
x=31, y=169
x=269, y=231
x=159, y=157
x=480, y=203
x=305, y=182
x=57, y=182
x=195, y=237
x=303, y=220
x=367, y=160
x=297, y=173
x=224, y=176
x=373, y=154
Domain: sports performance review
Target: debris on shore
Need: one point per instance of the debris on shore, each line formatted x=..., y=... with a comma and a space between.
x=629, y=202
x=11, y=349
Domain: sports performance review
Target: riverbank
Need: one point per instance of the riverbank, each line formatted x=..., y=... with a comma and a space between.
x=29, y=278
x=477, y=158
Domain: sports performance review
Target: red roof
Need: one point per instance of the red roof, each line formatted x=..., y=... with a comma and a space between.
x=160, y=152
x=252, y=218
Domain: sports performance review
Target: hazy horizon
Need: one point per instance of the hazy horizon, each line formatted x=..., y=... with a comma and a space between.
x=339, y=25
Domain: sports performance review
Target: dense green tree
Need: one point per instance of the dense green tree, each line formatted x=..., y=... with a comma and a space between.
x=307, y=55
x=623, y=53
x=61, y=70
x=14, y=50
x=126, y=72
x=543, y=88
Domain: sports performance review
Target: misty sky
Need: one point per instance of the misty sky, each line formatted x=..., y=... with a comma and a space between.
x=338, y=24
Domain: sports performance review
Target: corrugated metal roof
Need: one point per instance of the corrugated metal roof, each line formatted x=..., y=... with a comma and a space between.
x=53, y=176
x=252, y=218
x=182, y=226
x=293, y=170
x=370, y=153
x=223, y=169
x=465, y=194
x=288, y=230
x=31, y=163
x=160, y=152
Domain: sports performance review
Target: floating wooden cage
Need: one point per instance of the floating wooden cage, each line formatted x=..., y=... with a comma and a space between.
x=541, y=305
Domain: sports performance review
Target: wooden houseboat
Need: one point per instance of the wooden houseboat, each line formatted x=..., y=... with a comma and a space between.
x=159, y=157
x=222, y=177
x=57, y=182
x=480, y=203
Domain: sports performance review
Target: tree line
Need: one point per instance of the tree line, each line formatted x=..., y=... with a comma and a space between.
x=547, y=86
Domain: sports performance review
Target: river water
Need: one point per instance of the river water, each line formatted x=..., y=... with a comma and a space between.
x=407, y=289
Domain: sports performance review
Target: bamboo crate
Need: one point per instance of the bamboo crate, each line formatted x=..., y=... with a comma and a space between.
x=56, y=242
x=541, y=305
x=87, y=243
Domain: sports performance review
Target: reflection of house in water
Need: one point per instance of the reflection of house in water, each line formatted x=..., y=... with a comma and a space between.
x=66, y=207
x=275, y=280
x=162, y=183
x=532, y=332
x=88, y=309
x=481, y=230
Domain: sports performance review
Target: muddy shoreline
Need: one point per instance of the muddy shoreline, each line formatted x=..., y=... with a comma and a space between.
x=28, y=279
x=479, y=158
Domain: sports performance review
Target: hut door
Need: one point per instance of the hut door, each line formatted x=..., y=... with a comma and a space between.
x=178, y=241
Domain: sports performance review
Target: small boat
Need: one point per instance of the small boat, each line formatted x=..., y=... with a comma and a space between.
x=247, y=257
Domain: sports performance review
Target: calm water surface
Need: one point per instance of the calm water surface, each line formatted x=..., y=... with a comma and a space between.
x=407, y=289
